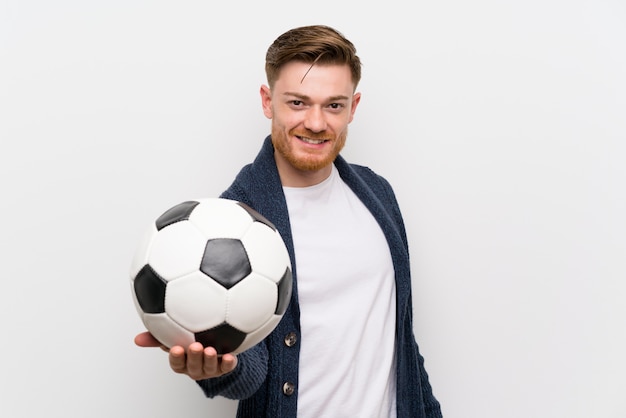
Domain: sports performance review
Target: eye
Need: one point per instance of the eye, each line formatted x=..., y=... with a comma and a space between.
x=297, y=103
x=336, y=106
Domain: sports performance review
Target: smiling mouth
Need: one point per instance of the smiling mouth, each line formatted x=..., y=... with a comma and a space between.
x=311, y=140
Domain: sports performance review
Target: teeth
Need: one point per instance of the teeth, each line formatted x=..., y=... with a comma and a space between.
x=312, y=141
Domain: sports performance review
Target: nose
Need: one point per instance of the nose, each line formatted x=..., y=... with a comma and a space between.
x=315, y=120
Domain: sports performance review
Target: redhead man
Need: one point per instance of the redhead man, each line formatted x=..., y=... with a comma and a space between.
x=345, y=347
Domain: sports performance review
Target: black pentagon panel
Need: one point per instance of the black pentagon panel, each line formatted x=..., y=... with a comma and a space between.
x=175, y=214
x=225, y=260
x=224, y=338
x=284, y=292
x=150, y=290
x=257, y=216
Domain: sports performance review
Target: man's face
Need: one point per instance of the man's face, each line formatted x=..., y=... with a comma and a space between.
x=310, y=108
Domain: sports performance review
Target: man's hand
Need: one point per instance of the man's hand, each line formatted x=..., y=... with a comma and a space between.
x=197, y=362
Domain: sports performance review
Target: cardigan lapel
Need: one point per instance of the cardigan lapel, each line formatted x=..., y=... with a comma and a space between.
x=390, y=228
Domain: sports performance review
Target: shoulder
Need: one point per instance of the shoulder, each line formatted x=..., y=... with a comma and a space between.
x=377, y=183
x=238, y=188
x=374, y=191
x=368, y=174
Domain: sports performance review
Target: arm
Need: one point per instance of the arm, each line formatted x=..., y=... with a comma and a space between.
x=431, y=405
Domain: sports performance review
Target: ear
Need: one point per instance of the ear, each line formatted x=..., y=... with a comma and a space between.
x=356, y=98
x=266, y=101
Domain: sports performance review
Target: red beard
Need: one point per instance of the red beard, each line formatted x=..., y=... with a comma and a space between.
x=310, y=161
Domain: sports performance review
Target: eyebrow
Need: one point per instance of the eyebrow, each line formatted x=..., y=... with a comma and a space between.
x=305, y=97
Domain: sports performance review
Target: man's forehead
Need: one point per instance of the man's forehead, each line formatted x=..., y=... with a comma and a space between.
x=297, y=75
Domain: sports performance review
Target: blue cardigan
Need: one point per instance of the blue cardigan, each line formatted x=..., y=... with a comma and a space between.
x=263, y=370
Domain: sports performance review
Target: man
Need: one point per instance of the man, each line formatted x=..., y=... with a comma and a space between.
x=345, y=346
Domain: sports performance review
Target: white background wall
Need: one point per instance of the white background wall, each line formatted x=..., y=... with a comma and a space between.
x=500, y=124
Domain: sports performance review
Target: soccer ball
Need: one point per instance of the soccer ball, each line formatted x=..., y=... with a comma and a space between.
x=213, y=271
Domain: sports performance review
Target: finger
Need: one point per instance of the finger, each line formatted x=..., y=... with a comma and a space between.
x=177, y=358
x=145, y=339
x=228, y=363
x=195, y=361
x=211, y=362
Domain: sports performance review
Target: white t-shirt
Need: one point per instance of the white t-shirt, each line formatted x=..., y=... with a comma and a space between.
x=346, y=290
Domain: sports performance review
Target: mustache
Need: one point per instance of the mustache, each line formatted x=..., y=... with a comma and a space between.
x=312, y=135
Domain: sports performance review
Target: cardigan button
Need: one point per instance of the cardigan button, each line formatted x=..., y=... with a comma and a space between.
x=291, y=339
x=289, y=388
